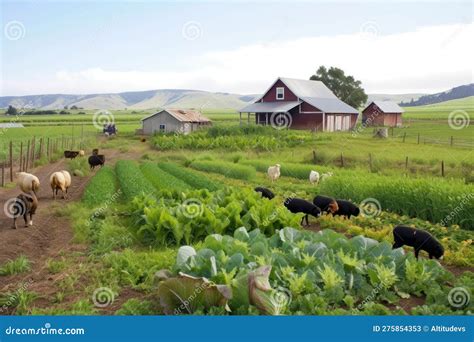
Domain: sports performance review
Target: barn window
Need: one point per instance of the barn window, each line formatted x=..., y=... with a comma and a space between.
x=280, y=93
x=162, y=128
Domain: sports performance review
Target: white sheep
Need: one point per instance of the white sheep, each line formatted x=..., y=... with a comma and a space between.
x=60, y=180
x=81, y=153
x=326, y=175
x=314, y=177
x=274, y=172
x=28, y=182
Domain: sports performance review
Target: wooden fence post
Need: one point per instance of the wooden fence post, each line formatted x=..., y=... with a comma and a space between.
x=406, y=163
x=21, y=156
x=314, y=156
x=442, y=168
x=25, y=165
x=3, y=173
x=41, y=148
x=11, y=161
x=33, y=151
x=342, y=160
x=48, y=152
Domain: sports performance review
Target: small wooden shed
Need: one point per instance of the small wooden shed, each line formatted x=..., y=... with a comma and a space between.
x=182, y=121
x=382, y=113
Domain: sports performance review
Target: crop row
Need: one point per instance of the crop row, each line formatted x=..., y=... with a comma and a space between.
x=161, y=179
x=132, y=181
x=227, y=169
x=189, y=176
x=101, y=188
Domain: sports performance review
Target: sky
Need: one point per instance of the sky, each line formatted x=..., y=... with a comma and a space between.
x=82, y=47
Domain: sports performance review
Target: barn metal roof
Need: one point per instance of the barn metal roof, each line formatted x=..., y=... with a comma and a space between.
x=331, y=105
x=315, y=93
x=183, y=115
x=387, y=106
x=270, y=107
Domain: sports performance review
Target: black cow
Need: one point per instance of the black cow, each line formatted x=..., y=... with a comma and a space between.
x=267, y=193
x=327, y=204
x=299, y=205
x=96, y=160
x=347, y=209
x=71, y=154
x=420, y=240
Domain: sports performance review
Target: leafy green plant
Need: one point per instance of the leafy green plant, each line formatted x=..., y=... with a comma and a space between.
x=18, y=265
x=161, y=179
x=101, y=188
x=189, y=176
x=131, y=180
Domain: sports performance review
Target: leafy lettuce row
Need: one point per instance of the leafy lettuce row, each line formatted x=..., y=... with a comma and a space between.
x=174, y=218
x=300, y=272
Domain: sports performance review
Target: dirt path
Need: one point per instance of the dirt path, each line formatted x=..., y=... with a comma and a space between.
x=51, y=234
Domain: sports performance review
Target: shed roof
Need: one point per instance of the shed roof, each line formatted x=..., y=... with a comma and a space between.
x=387, y=106
x=183, y=115
x=315, y=93
x=267, y=107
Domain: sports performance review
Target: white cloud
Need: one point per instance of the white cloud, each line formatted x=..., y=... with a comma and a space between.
x=429, y=59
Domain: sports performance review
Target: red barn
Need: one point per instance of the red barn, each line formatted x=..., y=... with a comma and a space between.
x=382, y=113
x=302, y=104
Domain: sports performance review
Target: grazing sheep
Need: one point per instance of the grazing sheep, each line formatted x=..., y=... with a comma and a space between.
x=347, y=209
x=274, y=172
x=71, y=154
x=314, y=177
x=28, y=182
x=95, y=151
x=81, y=153
x=299, y=205
x=418, y=239
x=60, y=180
x=267, y=193
x=326, y=175
x=327, y=204
x=24, y=205
x=96, y=160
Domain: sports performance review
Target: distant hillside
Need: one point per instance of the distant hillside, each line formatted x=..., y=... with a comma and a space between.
x=163, y=98
x=398, y=98
x=452, y=94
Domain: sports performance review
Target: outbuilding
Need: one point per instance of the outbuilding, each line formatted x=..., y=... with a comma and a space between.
x=182, y=121
x=301, y=104
x=382, y=113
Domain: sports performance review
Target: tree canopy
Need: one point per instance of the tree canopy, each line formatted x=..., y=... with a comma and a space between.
x=345, y=87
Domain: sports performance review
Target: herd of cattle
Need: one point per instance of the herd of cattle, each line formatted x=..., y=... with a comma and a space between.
x=26, y=203
x=402, y=234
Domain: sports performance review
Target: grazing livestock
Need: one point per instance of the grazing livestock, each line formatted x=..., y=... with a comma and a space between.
x=418, y=239
x=299, y=205
x=96, y=160
x=28, y=182
x=95, y=151
x=326, y=175
x=327, y=204
x=274, y=172
x=60, y=180
x=81, y=153
x=267, y=193
x=346, y=209
x=71, y=154
x=24, y=205
x=314, y=177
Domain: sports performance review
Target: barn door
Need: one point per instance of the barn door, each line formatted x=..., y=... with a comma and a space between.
x=346, y=124
x=338, y=123
x=330, y=123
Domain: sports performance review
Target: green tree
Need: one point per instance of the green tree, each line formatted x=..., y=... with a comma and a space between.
x=345, y=87
x=11, y=110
